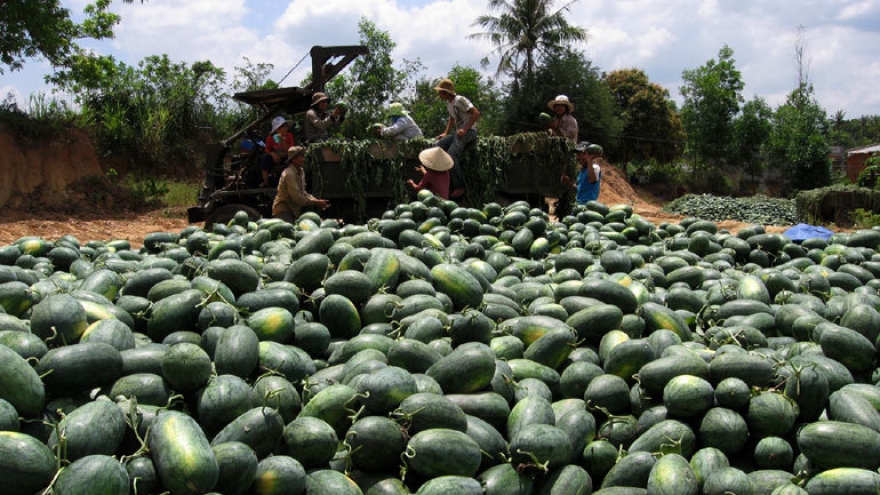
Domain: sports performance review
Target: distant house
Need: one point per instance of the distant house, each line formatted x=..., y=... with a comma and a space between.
x=856, y=158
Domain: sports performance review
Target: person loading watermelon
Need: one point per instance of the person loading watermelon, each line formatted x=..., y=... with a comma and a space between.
x=589, y=177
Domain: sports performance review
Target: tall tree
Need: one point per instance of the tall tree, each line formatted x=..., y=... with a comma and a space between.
x=371, y=81
x=751, y=131
x=797, y=145
x=44, y=29
x=565, y=72
x=651, y=124
x=712, y=98
x=524, y=32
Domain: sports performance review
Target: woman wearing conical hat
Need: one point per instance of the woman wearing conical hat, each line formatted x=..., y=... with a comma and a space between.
x=435, y=169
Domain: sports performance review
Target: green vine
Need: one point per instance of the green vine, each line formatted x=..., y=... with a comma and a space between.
x=491, y=163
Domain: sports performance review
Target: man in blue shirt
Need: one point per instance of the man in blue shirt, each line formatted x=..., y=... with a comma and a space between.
x=589, y=176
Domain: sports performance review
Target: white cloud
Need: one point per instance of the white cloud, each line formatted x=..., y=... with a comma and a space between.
x=842, y=38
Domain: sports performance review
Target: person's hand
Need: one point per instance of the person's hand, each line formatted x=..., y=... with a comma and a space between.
x=275, y=157
x=565, y=179
x=419, y=168
x=441, y=136
x=337, y=112
x=323, y=204
x=379, y=130
x=460, y=133
x=410, y=183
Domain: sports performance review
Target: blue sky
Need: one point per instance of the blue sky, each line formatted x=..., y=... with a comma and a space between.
x=661, y=37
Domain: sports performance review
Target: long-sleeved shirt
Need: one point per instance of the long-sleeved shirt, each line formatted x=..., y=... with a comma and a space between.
x=317, y=126
x=403, y=127
x=436, y=182
x=292, y=195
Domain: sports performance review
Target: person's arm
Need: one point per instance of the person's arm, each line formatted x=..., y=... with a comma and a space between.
x=450, y=123
x=394, y=129
x=317, y=122
x=591, y=174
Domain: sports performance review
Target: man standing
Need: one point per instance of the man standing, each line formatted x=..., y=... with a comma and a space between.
x=292, y=195
x=589, y=176
x=463, y=117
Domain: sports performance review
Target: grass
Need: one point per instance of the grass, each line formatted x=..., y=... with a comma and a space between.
x=181, y=194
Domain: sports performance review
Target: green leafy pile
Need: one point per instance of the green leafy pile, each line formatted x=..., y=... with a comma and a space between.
x=758, y=209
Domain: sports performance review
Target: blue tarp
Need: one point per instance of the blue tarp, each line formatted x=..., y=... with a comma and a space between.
x=803, y=231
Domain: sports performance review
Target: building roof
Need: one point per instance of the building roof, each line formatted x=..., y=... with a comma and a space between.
x=872, y=148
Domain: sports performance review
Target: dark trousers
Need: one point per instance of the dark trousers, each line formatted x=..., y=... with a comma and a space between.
x=454, y=145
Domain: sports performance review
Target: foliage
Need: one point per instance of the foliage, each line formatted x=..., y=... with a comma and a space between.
x=565, y=72
x=834, y=203
x=371, y=83
x=152, y=111
x=751, y=130
x=48, y=117
x=864, y=219
x=525, y=31
x=371, y=164
x=797, y=145
x=45, y=29
x=868, y=177
x=712, y=98
x=754, y=209
x=651, y=125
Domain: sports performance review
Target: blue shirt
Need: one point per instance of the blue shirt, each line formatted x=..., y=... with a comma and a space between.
x=586, y=190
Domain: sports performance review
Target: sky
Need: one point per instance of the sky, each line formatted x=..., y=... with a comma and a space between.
x=841, y=39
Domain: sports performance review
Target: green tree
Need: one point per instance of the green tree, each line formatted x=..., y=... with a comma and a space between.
x=651, y=125
x=44, y=28
x=712, y=98
x=565, y=72
x=525, y=31
x=797, y=145
x=372, y=81
x=751, y=130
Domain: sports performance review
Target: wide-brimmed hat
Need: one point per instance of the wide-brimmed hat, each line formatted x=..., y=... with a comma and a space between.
x=436, y=159
x=295, y=151
x=561, y=100
x=278, y=122
x=319, y=97
x=395, y=109
x=446, y=85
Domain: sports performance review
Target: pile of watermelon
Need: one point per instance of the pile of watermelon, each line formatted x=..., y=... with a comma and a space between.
x=442, y=350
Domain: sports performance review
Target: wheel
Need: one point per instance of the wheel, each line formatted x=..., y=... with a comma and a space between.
x=225, y=213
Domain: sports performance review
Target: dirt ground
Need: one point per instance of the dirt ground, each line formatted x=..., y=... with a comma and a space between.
x=102, y=225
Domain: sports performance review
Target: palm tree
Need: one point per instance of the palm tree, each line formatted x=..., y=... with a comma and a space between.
x=524, y=32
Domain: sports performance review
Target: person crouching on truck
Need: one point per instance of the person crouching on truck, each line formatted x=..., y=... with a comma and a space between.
x=279, y=141
x=402, y=127
x=589, y=177
x=435, y=172
x=292, y=195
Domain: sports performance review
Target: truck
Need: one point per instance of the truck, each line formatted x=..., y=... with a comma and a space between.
x=364, y=178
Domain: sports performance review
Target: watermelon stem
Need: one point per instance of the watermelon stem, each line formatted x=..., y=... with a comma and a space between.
x=523, y=467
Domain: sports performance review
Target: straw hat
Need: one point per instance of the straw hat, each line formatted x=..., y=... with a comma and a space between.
x=436, y=159
x=395, y=109
x=318, y=98
x=278, y=122
x=446, y=85
x=561, y=100
x=295, y=151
